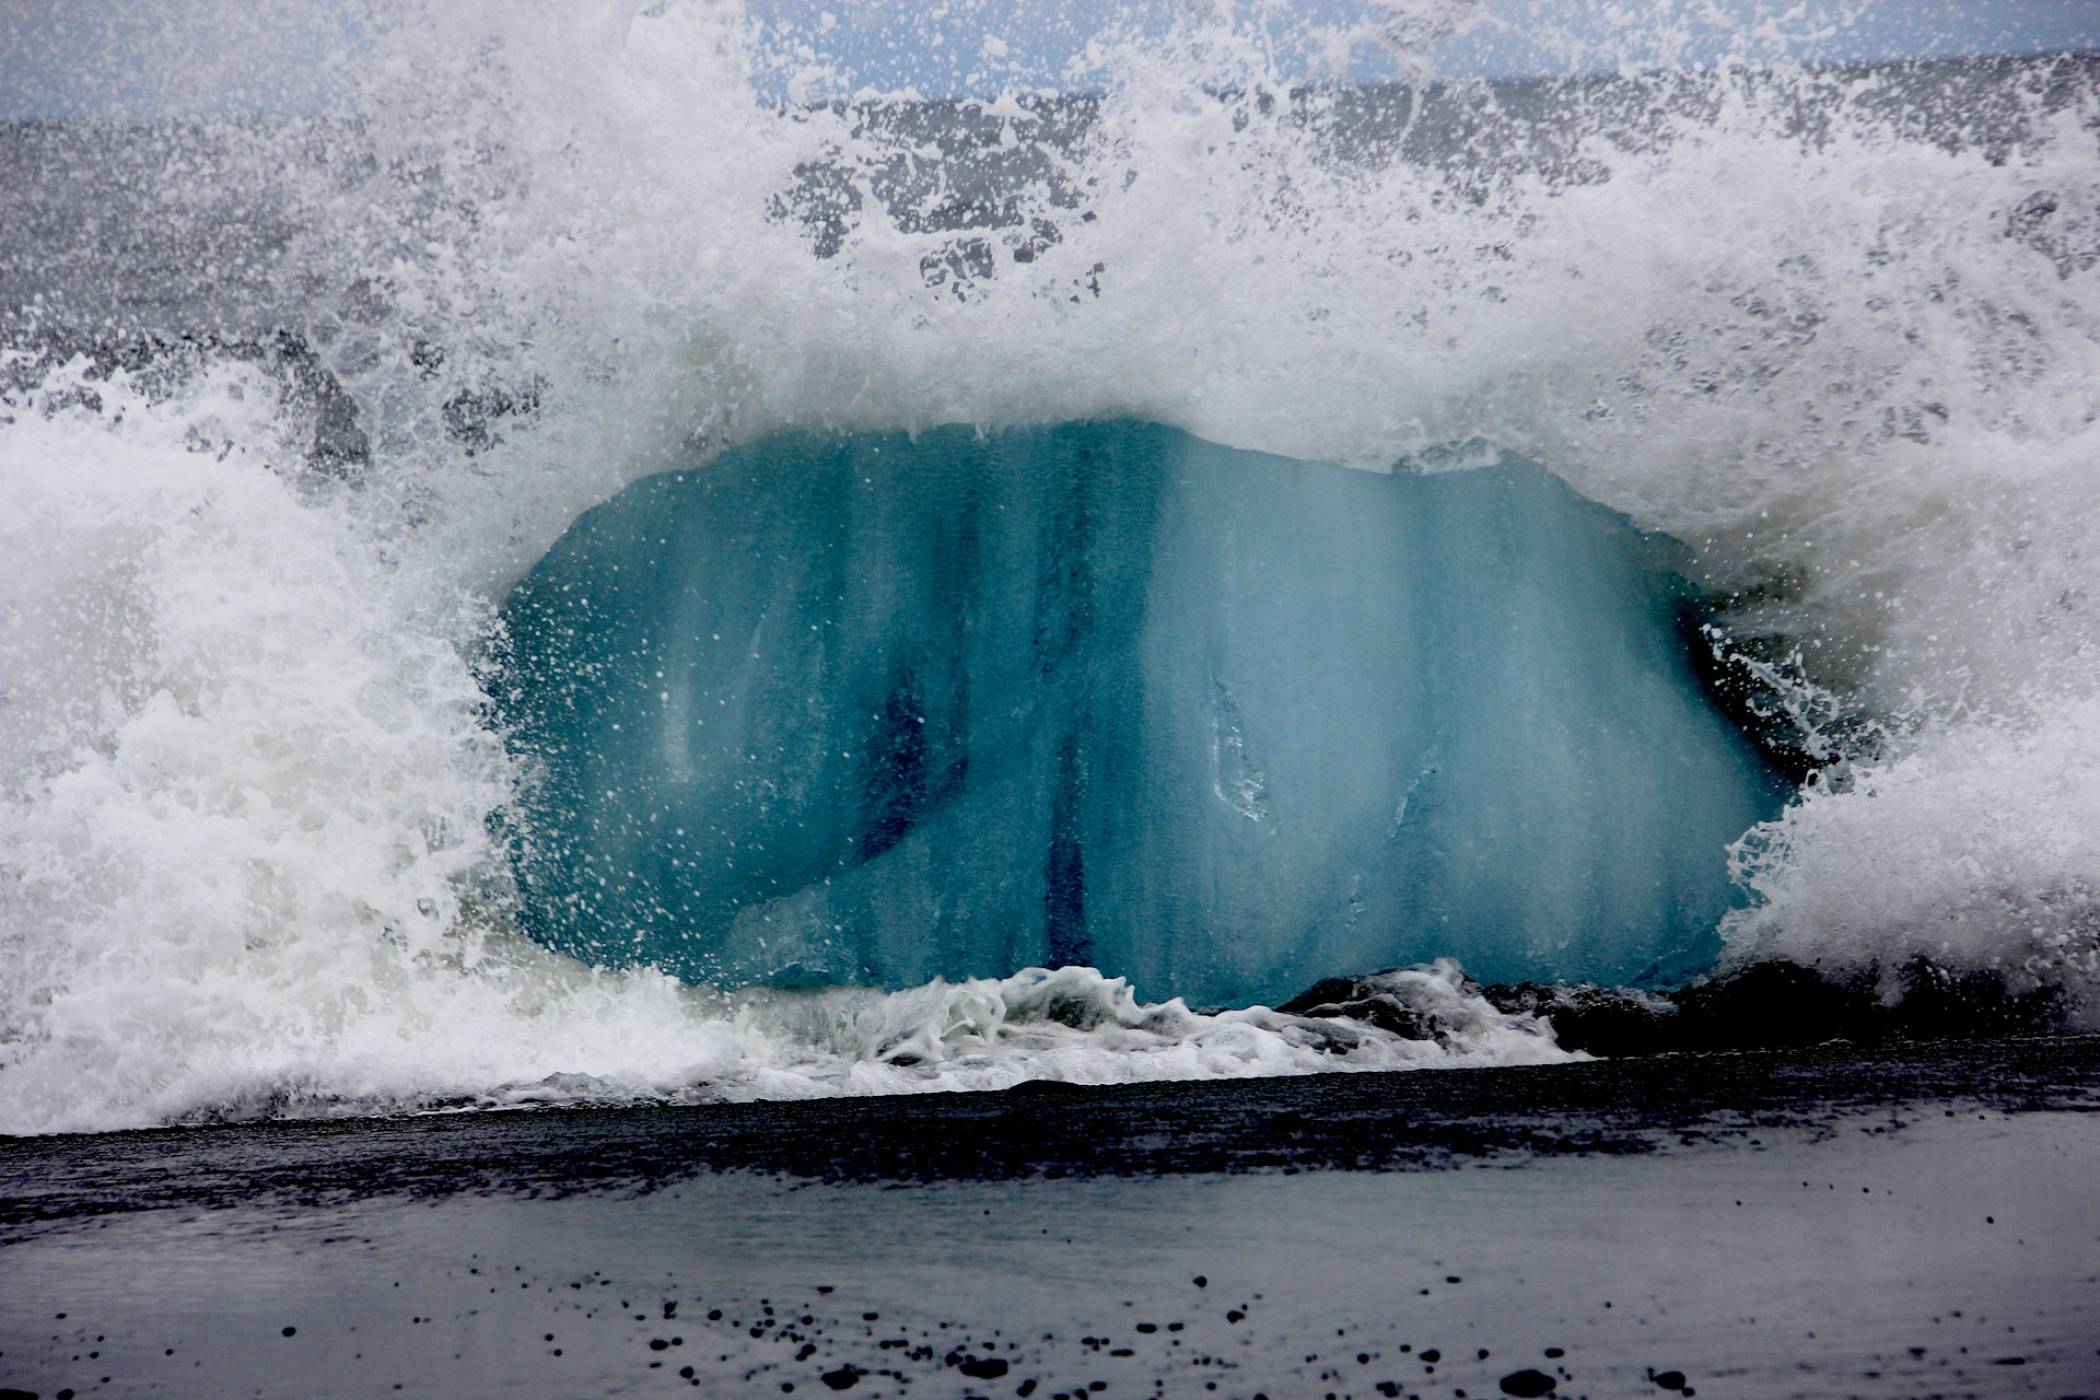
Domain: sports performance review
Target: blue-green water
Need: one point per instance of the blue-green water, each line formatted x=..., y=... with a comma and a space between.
x=879, y=709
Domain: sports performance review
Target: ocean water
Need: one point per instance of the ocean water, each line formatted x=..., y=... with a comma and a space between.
x=1686, y=474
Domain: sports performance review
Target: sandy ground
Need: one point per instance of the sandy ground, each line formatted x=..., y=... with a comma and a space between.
x=1831, y=1234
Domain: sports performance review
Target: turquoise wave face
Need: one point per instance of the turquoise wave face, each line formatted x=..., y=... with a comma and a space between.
x=879, y=709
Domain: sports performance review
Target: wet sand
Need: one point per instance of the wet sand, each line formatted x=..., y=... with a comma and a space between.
x=1917, y=1221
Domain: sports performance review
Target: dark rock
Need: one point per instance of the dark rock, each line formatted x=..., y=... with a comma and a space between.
x=1670, y=1380
x=1042, y=1089
x=1608, y=1021
x=983, y=1368
x=1528, y=1382
x=1765, y=1006
x=1365, y=1000
x=1781, y=1005
x=844, y=1378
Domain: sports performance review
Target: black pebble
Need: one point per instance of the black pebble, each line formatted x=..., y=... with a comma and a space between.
x=1528, y=1382
x=290, y=1331
x=1670, y=1380
x=844, y=1378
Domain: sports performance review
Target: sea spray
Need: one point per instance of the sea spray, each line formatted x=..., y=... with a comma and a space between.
x=1833, y=329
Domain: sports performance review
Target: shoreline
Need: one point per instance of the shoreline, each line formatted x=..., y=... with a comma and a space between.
x=1815, y=1222
x=1809, y=1223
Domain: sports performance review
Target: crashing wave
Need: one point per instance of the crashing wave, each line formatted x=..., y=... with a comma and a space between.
x=248, y=761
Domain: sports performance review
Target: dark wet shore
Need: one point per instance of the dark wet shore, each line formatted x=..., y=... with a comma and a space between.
x=1399, y=1121
x=1905, y=1221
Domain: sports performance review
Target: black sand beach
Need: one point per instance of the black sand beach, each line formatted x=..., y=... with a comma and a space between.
x=1907, y=1221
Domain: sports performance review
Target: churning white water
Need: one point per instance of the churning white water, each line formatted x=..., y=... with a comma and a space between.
x=1837, y=330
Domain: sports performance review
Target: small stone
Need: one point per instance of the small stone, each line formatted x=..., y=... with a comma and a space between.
x=1528, y=1383
x=844, y=1378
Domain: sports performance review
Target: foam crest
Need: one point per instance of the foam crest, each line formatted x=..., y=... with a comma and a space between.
x=1836, y=331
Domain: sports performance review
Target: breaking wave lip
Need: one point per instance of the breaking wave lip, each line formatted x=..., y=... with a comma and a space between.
x=671, y=1044
x=1070, y=1025
x=246, y=769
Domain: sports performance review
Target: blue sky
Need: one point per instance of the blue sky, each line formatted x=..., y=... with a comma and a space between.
x=940, y=49
x=154, y=57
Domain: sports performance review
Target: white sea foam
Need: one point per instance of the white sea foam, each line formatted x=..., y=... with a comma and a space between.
x=244, y=773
